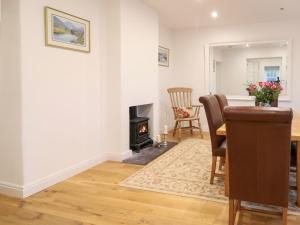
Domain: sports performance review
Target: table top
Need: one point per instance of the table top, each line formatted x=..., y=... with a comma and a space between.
x=295, y=128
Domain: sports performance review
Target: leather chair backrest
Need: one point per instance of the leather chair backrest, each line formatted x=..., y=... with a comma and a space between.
x=258, y=145
x=214, y=119
x=222, y=101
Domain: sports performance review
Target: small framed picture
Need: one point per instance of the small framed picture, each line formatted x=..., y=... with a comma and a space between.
x=163, y=56
x=67, y=31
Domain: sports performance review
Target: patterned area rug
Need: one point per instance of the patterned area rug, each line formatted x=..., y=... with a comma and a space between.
x=185, y=171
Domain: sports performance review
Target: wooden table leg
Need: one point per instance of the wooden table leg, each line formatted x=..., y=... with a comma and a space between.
x=226, y=177
x=298, y=173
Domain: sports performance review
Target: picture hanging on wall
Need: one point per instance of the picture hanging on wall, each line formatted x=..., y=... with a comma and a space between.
x=66, y=31
x=163, y=56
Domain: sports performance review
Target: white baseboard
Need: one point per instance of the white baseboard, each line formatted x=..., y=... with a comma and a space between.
x=114, y=156
x=10, y=189
x=62, y=175
x=45, y=182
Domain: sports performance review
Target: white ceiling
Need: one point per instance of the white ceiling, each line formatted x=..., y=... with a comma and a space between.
x=178, y=14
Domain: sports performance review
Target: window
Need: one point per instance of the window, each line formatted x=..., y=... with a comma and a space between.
x=272, y=73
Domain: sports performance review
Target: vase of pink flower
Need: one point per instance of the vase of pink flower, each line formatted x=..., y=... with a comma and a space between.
x=252, y=88
x=266, y=93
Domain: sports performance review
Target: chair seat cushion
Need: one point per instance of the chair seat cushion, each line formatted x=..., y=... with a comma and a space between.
x=184, y=112
x=221, y=151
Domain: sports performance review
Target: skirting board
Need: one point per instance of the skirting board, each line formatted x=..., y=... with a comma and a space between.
x=10, y=189
x=119, y=157
x=41, y=184
x=62, y=175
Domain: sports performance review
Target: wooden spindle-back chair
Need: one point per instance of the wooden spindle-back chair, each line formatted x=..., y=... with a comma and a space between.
x=181, y=100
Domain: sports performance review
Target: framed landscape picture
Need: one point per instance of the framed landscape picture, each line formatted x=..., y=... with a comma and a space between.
x=163, y=56
x=66, y=31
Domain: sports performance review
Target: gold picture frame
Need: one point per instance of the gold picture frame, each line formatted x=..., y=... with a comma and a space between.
x=63, y=30
x=163, y=56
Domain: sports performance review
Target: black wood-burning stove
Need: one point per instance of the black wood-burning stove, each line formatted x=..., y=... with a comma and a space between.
x=139, y=131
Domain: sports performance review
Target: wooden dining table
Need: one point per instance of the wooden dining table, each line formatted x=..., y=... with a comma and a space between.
x=294, y=137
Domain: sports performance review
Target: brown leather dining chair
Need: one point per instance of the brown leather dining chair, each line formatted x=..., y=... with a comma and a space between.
x=258, y=145
x=218, y=143
x=294, y=155
x=294, y=162
x=223, y=102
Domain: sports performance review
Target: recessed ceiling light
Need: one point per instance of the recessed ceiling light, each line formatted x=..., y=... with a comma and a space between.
x=214, y=14
x=247, y=45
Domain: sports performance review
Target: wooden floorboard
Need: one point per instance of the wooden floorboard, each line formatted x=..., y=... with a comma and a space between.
x=95, y=198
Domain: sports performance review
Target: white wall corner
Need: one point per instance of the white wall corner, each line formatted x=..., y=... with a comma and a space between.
x=61, y=175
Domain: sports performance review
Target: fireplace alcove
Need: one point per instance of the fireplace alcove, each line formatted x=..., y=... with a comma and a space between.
x=139, y=130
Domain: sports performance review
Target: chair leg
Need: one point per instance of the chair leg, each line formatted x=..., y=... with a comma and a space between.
x=239, y=205
x=220, y=163
x=213, y=169
x=200, y=128
x=175, y=127
x=284, y=216
x=191, y=127
x=231, y=212
x=179, y=131
x=226, y=174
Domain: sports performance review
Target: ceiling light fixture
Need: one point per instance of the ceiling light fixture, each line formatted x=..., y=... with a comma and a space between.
x=247, y=45
x=214, y=14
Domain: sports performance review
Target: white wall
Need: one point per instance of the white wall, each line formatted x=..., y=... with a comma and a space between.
x=113, y=81
x=51, y=99
x=0, y=10
x=189, y=50
x=132, y=30
x=64, y=111
x=139, y=74
x=167, y=78
x=188, y=58
x=11, y=178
